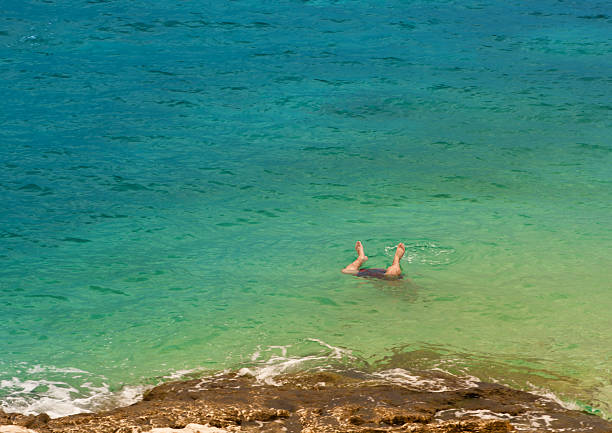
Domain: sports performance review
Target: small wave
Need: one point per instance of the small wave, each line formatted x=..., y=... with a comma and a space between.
x=424, y=252
x=551, y=396
x=433, y=381
x=268, y=369
x=44, y=369
x=62, y=391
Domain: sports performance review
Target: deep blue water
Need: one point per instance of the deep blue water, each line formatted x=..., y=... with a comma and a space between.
x=182, y=181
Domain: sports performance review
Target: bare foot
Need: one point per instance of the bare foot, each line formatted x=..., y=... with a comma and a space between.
x=399, y=252
x=394, y=271
x=360, y=251
x=353, y=268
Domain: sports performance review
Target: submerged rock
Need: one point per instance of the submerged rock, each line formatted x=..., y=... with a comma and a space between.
x=324, y=403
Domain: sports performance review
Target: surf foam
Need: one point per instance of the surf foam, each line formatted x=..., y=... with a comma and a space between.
x=267, y=370
x=76, y=393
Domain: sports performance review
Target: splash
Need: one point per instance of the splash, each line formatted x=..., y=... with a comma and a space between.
x=433, y=381
x=424, y=252
x=268, y=369
x=63, y=391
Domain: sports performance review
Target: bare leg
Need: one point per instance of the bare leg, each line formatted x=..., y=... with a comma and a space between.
x=353, y=268
x=394, y=270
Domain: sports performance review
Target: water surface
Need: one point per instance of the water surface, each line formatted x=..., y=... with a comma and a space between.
x=181, y=183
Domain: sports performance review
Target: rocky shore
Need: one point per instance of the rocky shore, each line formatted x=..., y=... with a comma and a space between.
x=323, y=402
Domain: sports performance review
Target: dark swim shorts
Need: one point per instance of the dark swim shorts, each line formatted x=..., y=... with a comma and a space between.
x=373, y=273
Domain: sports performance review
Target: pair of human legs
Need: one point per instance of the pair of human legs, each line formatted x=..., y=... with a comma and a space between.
x=392, y=271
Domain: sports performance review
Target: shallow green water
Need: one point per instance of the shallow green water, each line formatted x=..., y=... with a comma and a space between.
x=184, y=195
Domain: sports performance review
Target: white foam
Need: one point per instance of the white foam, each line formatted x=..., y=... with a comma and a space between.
x=527, y=421
x=180, y=374
x=480, y=413
x=277, y=364
x=549, y=395
x=58, y=398
x=337, y=352
x=423, y=252
x=44, y=369
x=546, y=419
x=274, y=367
x=255, y=355
x=62, y=391
x=434, y=384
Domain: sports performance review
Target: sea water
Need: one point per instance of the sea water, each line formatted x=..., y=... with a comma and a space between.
x=181, y=183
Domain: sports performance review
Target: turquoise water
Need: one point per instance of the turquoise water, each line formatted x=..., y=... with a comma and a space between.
x=182, y=182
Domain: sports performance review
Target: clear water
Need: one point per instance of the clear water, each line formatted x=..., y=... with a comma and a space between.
x=182, y=181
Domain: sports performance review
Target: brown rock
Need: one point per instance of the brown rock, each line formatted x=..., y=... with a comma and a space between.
x=14, y=429
x=323, y=403
x=398, y=416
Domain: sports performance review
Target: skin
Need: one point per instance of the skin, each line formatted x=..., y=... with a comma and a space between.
x=392, y=271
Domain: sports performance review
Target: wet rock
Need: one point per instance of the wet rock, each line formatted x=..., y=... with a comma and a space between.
x=29, y=421
x=395, y=416
x=324, y=403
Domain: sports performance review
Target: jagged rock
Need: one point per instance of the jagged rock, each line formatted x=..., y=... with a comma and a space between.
x=29, y=421
x=323, y=403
